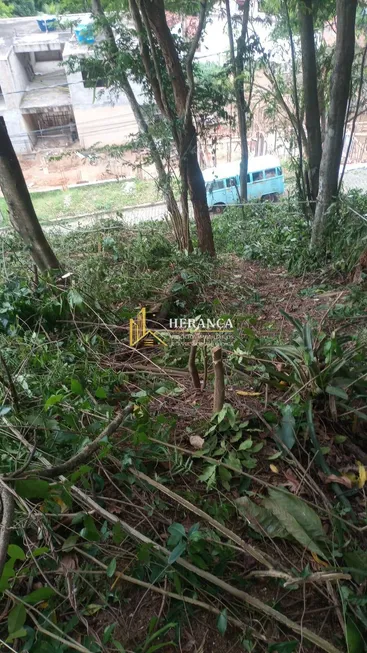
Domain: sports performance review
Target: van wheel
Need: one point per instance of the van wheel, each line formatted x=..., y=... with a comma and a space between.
x=218, y=208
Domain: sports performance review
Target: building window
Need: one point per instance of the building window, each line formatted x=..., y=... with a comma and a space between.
x=257, y=176
x=48, y=55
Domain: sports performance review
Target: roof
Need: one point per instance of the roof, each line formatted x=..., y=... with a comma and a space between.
x=231, y=169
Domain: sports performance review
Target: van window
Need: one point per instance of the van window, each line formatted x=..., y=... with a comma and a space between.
x=279, y=171
x=231, y=182
x=248, y=179
x=270, y=173
x=257, y=176
x=218, y=184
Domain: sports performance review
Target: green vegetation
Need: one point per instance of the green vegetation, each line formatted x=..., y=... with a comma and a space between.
x=278, y=234
x=88, y=199
x=261, y=480
x=186, y=489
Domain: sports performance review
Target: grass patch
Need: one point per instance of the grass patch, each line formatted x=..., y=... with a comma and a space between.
x=90, y=198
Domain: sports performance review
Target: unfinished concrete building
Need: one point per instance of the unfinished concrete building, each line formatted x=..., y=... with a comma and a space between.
x=44, y=106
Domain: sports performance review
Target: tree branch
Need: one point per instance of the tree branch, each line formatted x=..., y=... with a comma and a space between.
x=190, y=59
x=192, y=367
x=8, y=505
x=218, y=399
x=85, y=454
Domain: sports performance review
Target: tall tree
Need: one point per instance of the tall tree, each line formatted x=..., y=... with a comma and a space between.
x=310, y=96
x=152, y=28
x=339, y=94
x=112, y=53
x=237, y=65
x=21, y=210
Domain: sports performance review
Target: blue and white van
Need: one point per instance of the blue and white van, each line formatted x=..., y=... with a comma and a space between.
x=265, y=181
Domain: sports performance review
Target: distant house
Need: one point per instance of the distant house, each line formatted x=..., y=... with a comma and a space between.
x=40, y=101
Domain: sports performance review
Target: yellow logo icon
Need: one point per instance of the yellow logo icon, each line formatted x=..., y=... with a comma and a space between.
x=139, y=334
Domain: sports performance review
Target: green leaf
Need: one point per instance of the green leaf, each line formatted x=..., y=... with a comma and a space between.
x=16, y=618
x=119, y=646
x=70, y=542
x=357, y=561
x=283, y=647
x=15, y=552
x=42, y=594
x=177, y=552
x=118, y=533
x=32, y=488
x=111, y=568
x=297, y=518
x=76, y=387
x=336, y=392
x=74, y=298
x=208, y=475
x=17, y=635
x=193, y=533
x=247, y=444
x=222, y=622
x=177, y=532
x=101, y=393
x=286, y=430
x=222, y=414
x=339, y=439
x=8, y=573
x=40, y=551
x=92, y=608
x=354, y=637
x=274, y=456
x=225, y=476
x=90, y=531
x=233, y=461
x=52, y=400
x=262, y=520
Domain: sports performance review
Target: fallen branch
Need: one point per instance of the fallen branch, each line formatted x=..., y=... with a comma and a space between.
x=254, y=553
x=192, y=367
x=205, y=377
x=218, y=398
x=248, y=599
x=85, y=454
x=8, y=507
x=12, y=388
x=173, y=595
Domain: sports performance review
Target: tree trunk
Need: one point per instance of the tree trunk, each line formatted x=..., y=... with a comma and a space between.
x=180, y=229
x=237, y=71
x=339, y=93
x=187, y=137
x=21, y=210
x=310, y=94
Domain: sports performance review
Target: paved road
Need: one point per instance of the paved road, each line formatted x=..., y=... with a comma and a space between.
x=355, y=177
